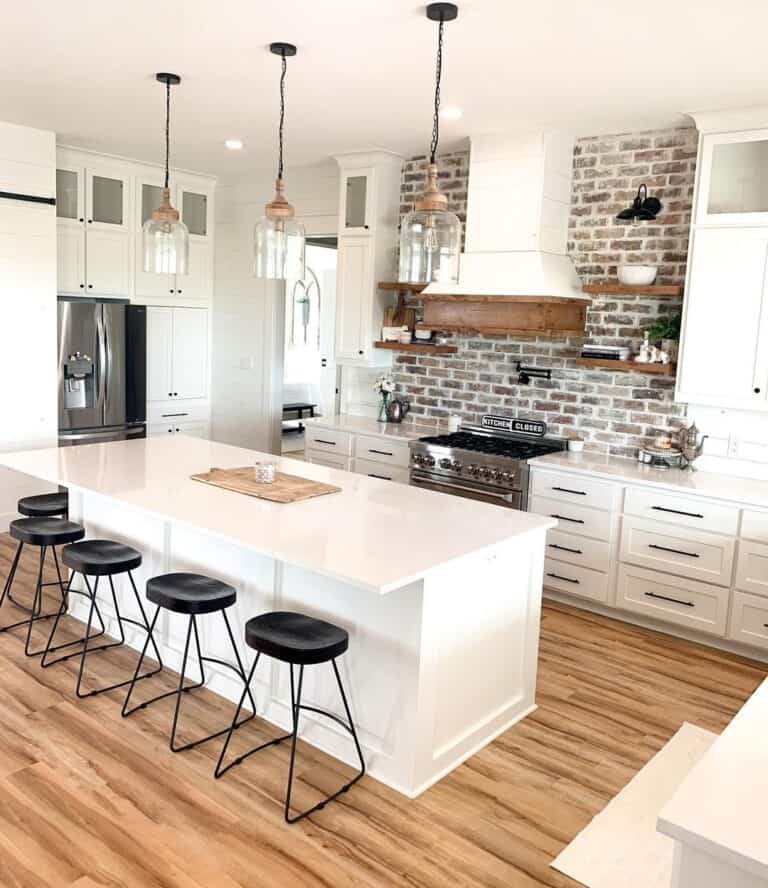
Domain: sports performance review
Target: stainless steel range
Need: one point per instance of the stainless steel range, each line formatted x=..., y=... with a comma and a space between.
x=486, y=462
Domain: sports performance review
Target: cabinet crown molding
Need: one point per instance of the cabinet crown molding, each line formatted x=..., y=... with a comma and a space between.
x=352, y=160
x=731, y=119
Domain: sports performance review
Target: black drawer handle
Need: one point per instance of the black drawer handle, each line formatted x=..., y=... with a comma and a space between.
x=380, y=452
x=321, y=441
x=677, y=512
x=674, y=551
x=563, y=518
x=566, y=490
x=666, y=598
x=566, y=579
x=171, y=415
x=383, y=477
x=565, y=549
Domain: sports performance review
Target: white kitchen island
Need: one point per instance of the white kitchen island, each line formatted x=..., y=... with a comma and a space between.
x=441, y=595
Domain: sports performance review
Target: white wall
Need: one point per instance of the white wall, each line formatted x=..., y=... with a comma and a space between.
x=28, y=405
x=249, y=314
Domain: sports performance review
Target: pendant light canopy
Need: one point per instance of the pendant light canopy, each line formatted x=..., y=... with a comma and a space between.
x=430, y=235
x=278, y=237
x=165, y=236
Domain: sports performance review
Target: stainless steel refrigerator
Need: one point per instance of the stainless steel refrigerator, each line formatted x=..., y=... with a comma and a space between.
x=102, y=371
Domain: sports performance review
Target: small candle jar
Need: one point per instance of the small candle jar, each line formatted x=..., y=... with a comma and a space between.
x=264, y=472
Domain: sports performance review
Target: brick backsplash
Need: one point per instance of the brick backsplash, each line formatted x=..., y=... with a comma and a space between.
x=615, y=412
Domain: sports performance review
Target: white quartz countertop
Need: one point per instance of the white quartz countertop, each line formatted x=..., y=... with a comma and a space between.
x=374, y=534
x=721, y=807
x=751, y=491
x=366, y=425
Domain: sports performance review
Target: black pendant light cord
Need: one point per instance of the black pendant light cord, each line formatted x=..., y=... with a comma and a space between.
x=167, y=128
x=282, y=119
x=438, y=77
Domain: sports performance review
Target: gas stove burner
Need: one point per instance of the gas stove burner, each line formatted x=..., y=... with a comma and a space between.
x=499, y=446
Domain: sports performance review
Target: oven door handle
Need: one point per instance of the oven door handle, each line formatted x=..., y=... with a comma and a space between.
x=507, y=497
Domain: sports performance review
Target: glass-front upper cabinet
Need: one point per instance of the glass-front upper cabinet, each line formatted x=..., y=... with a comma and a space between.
x=356, y=201
x=194, y=211
x=106, y=200
x=70, y=195
x=733, y=184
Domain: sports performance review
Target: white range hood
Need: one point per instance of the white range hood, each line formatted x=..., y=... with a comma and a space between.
x=518, y=205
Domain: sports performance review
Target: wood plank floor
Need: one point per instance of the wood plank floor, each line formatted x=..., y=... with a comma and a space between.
x=90, y=800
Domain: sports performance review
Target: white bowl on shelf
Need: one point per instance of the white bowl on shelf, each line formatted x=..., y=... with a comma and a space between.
x=637, y=275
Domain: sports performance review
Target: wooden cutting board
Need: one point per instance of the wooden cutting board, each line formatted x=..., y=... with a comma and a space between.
x=284, y=489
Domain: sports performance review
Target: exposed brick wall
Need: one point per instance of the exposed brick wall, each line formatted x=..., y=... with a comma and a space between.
x=615, y=412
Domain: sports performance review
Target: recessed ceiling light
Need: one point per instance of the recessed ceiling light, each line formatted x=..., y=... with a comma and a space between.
x=451, y=112
x=233, y=144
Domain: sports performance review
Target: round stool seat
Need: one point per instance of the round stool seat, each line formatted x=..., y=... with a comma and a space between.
x=46, y=505
x=295, y=638
x=100, y=558
x=187, y=593
x=45, y=531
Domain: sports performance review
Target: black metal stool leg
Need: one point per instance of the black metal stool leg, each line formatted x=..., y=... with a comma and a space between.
x=240, y=666
x=36, y=603
x=11, y=574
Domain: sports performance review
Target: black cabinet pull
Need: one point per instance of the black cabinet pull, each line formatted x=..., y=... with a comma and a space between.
x=565, y=549
x=757, y=391
x=380, y=452
x=677, y=512
x=361, y=352
x=667, y=598
x=567, y=579
x=566, y=490
x=90, y=286
x=179, y=292
x=563, y=518
x=173, y=415
x=674, y=551
x=320, y=441
x=383, y=477
x=82, y=286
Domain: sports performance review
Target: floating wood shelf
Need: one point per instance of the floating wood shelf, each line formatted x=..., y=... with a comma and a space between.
x=401, y=288
x=420, y=348
x=631, y=366
x=617, y=289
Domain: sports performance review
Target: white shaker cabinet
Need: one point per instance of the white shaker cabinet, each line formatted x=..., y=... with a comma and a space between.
x=355, y=283
x=724, y=356
x=177, y=353
x=93, y=210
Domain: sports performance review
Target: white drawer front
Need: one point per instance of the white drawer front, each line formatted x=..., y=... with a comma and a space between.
x=685, y=602
x=754, y=525
x=574, y=519
x=380, y=470
x=575, y=489
x=330, y=440
x=575, y=580
x=696, y=512
x=394, y=453
x=749, y=619
x=752, y=567
x=332, y=460
x=690, y=553
x=594, y=554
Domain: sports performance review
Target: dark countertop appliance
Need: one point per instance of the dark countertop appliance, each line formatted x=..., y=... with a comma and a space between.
x=486, y=462
x=102, y=370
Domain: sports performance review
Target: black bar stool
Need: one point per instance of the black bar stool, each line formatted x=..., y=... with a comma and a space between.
x=195, y=595
x=44, y=533
x=100, y=558
x=300, y=641
x=44, y=505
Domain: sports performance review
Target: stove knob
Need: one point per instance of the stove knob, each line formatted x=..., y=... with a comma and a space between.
x=429, y=461
x=418, y=459
x=472, y=469
x=493, y=474
x=445, y=464
x=456, y=465
x=506, y=477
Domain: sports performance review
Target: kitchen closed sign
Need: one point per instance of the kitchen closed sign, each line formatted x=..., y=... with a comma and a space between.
x=506, y=424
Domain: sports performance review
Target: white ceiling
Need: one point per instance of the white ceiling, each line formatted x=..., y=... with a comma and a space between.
x=363, y=76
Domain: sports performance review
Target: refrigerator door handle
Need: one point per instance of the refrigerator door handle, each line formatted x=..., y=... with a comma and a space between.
x=101, y=336
x=107, y=353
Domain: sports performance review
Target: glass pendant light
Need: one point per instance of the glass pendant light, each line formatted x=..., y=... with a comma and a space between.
x=278, y=239
x=430, y=235
x=165, y=236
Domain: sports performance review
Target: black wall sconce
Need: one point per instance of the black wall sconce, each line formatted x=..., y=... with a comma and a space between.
x=643, y=207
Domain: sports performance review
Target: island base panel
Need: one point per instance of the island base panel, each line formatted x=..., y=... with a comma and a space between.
x=435, y=669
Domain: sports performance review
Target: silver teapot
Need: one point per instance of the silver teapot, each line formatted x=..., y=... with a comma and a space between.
x=397, y=410
x=690, y=443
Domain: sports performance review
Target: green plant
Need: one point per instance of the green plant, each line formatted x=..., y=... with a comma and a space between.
x=665, y=328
